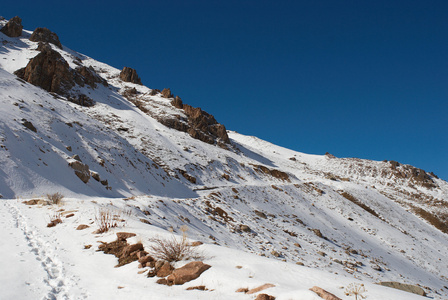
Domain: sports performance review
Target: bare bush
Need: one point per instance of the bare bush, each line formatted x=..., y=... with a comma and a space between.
x=55, y=198
x=357, y=290
x=106, y=219
x=173, y=249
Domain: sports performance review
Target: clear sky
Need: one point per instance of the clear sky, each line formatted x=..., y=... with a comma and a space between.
x=365, y=79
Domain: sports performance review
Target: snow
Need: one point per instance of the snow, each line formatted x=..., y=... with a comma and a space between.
x=141, y=166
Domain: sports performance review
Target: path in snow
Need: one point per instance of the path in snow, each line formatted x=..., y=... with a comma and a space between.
x=23, y=244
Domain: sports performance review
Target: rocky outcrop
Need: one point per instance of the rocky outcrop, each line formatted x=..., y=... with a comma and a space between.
x=50, y=71
x=188, y=272
x=45, y=35
x=81, y=170
x=166, y=93
x=122, y=250
x=265, y=297
x=272, y=172
x=13, y=28
x=198, y=124
x=88, y=76
x=404, y=287
x=130, y=75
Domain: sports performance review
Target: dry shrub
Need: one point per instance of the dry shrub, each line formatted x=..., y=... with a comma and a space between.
x=357, y=290
x=55, y=198
x=173, y=249
x=106, y=219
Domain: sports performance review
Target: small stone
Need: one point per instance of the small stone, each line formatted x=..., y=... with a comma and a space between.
x=82, y=226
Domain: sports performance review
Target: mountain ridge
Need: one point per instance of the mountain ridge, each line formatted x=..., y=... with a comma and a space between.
x=123, y=149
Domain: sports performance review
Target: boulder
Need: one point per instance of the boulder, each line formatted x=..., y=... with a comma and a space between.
x=260, y=288
x=130, y=249
x=404, y=287
x=188, y=272
x=130, y=75
x=123, y=236
x=165, y=270
x=324, y=294
x=13, y=28
x=245, y=228
x=28, y=125
x=45, y=35
x=81, y=170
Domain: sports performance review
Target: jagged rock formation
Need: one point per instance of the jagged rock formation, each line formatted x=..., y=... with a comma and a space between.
x=130, y=75
x=13, y=28
x=166, y=93
x=50, y=71
x=45, y=35
x=198, y=124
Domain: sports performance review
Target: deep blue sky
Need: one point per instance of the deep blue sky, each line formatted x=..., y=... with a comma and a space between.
x=365, y=79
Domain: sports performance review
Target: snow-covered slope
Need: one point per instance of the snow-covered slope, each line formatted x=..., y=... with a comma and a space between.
x=344, y=219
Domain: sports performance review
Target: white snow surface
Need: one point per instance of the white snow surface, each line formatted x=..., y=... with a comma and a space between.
x=141, y=165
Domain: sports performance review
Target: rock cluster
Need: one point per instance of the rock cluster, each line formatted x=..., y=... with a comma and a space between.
x=50, y=71
x=130, y=75
x=198, y=124
x=184, y=274
x=13, y=28
x=45, y=35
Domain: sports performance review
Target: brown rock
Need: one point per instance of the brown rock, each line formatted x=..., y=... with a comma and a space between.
x=265, y=297
x=130, y=75
x=404, y=287
x=245, y=228
x=70, y=215
x=54, y=223
x=162, y=281
x=145, y=259
x=324, y=294
x=28, y=125
x=82, y=227
x=242, y=290
x=317, y=232
x=260, y=288
x=196, y=243
x=81, y=170
x=166, y=93
x=46, y=36
x=177, y=102
x=199, y=287
x=48, y=70
x=129, y=249
x=88, y=76
x=123, y=236
x=165, y=270
x=13, y=28
x=188, y=272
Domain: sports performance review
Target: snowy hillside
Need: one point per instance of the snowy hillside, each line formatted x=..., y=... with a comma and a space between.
x=283, y=217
